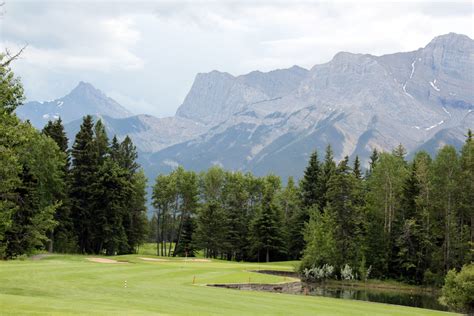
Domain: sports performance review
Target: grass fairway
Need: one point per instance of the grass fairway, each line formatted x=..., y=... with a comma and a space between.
x=73, y=285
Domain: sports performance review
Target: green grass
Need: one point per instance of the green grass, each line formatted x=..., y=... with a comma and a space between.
x=72, y=285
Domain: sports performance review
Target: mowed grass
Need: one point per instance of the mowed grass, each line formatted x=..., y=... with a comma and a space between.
x=70, y=284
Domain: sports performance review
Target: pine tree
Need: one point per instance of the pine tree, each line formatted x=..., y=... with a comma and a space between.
x=62, y=239
x=328, y=169
x=311, y=183
x=83, y=176
x=374, y=157
x=111, y=193
x=267, y=234
x=235, y=202
x=356, y=169
x=134, y=216
x=342, y=203
x=101, y=141
x=211, y=231
x=293, y=219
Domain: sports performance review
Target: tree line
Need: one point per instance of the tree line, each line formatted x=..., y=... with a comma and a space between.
x=90, y=199
x=407, y=220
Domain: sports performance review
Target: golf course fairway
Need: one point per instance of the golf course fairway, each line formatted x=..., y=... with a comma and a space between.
x=145, y=285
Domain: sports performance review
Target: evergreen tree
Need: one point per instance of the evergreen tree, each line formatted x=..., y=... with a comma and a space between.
x=374, y=157
x=186, y=246
x=135, y=214
x=108, y=233
x=83, y=176
x=356, y=169
x=328, y=169
x=267, y=234
x=62, y=238
x=101, y=141
x=210, y=232
x=311, y=183
x=342, y=203
x=407, y=248
x=235, y=202
x=293, y=218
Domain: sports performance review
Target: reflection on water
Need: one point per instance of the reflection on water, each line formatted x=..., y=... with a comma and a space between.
x=423, y=300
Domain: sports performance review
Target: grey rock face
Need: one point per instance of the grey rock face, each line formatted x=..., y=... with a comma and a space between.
x=82, y=100
x=215, y=96
x=422, y=99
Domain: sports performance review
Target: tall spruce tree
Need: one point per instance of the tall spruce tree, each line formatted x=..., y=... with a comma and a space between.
x=328, y=169
x=267, y=233
x=83, y=176
x=311, y=182
x=62, y=238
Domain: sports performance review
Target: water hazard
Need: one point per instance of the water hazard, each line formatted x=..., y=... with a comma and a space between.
x=418, y=298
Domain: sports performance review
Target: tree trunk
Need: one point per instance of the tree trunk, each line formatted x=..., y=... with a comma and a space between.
x=158, y=233
x=179, y=234
x=268, y=255
x=51, y=241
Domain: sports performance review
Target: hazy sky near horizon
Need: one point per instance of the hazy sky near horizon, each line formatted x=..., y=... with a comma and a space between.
x=146, y=54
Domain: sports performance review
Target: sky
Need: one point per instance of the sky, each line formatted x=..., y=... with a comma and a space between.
x=145, y=55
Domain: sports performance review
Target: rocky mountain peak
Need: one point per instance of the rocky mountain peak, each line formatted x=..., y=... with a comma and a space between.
x=451, y=39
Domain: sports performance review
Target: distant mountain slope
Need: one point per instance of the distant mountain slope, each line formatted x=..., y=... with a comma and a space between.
x=355, y=102
x=271, y=122
x=149, y=133
x=82, y=100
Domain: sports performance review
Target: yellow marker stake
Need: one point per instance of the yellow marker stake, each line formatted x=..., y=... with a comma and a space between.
x=194, y=279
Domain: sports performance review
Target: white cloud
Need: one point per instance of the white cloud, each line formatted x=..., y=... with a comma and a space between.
x=151, y=51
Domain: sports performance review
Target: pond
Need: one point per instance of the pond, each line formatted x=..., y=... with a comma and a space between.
x=427, y=300
x=417, y=298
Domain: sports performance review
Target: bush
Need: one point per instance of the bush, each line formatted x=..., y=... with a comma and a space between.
x=458, y=290
x=346, y=273
x=318, y=274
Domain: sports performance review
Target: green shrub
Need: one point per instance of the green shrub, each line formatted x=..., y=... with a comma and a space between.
x=458, y=290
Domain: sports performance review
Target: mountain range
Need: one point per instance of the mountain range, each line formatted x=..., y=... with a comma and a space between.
x=271, y=121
